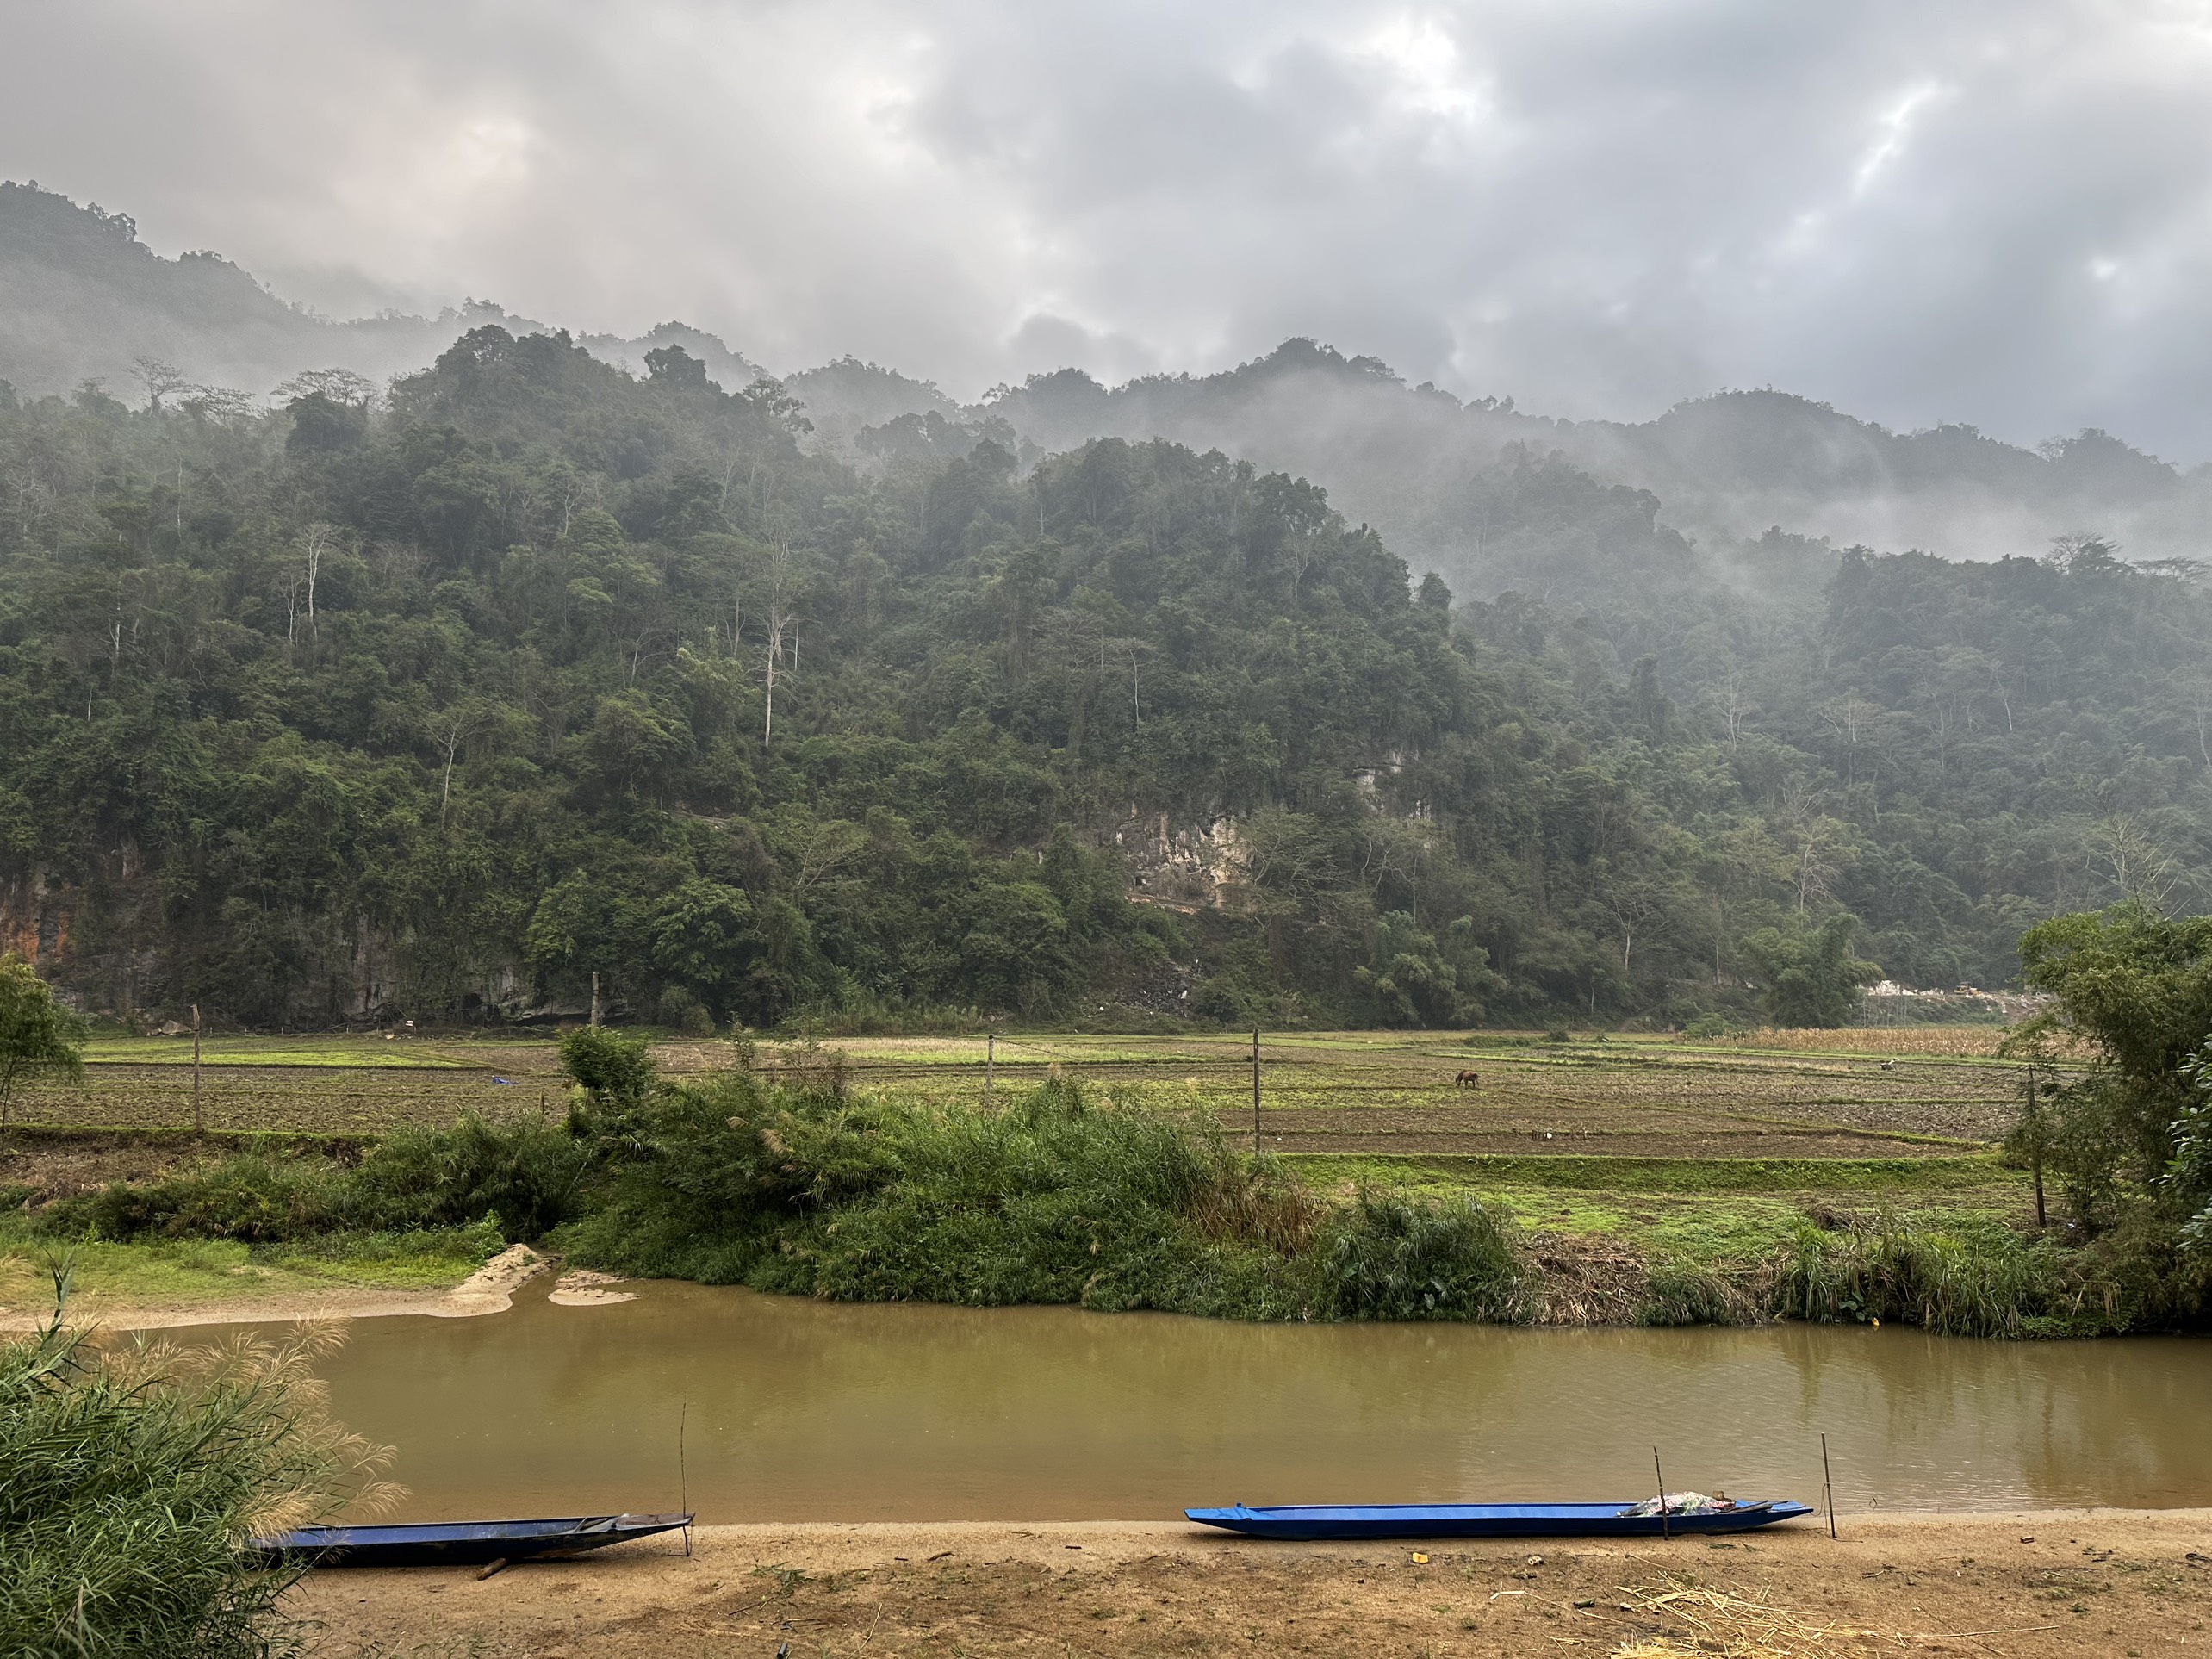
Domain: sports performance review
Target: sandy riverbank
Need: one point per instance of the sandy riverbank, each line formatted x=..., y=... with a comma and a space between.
x=2052, y=1582
x=489, y=1289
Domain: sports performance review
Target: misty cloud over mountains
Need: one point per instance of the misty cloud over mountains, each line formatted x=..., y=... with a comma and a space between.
x=1457, y=487
x=1966, y=212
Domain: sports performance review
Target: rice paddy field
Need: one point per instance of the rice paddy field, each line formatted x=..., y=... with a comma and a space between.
x=1704, y=1149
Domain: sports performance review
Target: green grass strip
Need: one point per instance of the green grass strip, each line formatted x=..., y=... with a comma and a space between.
x=231, y=1053
x=1594, y=1173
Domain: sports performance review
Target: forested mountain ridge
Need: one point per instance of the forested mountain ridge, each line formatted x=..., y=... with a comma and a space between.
x=82, y=298
x=1412, y=461
x=440, y=703
x=85, y=299
x=465, y=703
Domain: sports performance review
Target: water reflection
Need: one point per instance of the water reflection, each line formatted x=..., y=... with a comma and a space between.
x=804, y=1410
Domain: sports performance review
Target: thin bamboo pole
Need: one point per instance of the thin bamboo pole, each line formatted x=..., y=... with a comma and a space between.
x=1828, y=1485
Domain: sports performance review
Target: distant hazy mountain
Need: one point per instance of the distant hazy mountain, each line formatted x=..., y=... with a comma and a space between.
x=1456, y=486
x=1427, y=468
x=846, y=397
x=82, y=298
x=725, y=367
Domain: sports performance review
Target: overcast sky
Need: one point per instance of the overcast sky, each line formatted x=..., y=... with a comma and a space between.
x=1938, y=210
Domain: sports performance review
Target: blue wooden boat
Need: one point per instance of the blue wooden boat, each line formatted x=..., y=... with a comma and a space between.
x=1488, y=1520
x=462, y=1544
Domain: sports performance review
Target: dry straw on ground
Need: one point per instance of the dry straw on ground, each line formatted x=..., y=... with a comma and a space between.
x=1718, y=1623
x=1941, y=1041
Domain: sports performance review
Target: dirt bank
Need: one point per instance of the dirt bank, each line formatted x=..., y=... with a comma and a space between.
x=2054, y=1582
x=489, y=1289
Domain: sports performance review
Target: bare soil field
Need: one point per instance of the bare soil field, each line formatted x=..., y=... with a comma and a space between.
x=2051, y=1583
x=1923, y=1095
x=1432, y=1134
x=333, y=1099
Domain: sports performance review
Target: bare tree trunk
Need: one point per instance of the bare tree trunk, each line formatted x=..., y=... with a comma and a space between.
x=445, y=788
x=775, y=649
x=782, y=626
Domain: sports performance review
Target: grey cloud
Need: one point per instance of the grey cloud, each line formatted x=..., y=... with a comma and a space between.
x=1948, y=210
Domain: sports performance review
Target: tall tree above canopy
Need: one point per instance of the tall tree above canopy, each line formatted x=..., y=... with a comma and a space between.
x=1812, y=977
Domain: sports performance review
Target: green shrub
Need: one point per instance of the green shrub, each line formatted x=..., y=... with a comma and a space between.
x=616, y=1072
x=253, y=1199
x=527, y=1175
x=1055, y=1198
x=1392, y=1257
x=1678, y=1292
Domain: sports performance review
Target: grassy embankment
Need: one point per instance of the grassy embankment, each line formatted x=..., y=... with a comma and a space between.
x=1636, y=1178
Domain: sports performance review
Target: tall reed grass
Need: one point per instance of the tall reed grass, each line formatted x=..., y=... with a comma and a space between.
x=1994, y=1283
x=129, y=1477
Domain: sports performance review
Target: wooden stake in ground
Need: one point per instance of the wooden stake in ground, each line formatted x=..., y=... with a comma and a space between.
x=595, y=999
x=1255, y=1090
x=197, y=1127
x=1828, y=1485
x=2036, y=1138
x=990, y=1063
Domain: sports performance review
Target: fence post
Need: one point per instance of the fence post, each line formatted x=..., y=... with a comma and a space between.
x=196, y=1128
x=2035, y=1105
x=1255, y=1090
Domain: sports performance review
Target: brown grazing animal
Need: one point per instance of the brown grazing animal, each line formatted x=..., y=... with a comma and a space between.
x=1466, y=1081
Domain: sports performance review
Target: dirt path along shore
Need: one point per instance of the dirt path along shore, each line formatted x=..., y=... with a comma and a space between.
x=2056, y=1583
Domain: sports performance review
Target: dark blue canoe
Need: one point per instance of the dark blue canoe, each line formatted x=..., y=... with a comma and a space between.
x=463, y=1543
x=1486, y=1520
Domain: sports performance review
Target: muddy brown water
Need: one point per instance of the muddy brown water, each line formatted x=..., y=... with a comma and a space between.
x=799, y=1410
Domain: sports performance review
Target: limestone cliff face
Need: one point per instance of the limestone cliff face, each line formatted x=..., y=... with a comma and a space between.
x=90, y=942
x=1197, y=867
x=33, y=925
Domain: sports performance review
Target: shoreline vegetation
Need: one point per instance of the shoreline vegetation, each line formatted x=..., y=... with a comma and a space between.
x=1589, y=1183
x=797, y=1176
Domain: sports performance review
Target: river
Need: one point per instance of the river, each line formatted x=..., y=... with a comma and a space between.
x=790, y=1409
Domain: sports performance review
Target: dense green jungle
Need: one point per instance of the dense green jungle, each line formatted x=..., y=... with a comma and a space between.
x=353, y=711
x=446, y=699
